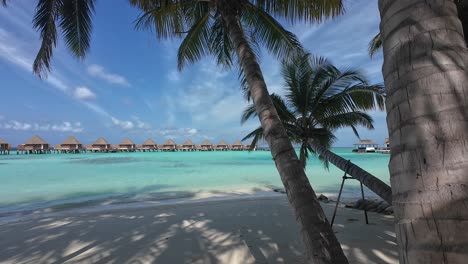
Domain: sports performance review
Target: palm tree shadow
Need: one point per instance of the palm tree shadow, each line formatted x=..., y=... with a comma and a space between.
x=213, y=232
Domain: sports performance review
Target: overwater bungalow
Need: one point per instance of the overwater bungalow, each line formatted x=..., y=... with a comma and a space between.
x=187, y=146
x=248, y=146
x=4, y=147
x=126, y=145
x=35, y=145
x=148, y=145
x=170, y=145
x=222, y=145
x=365, y=145
x=386, y=148
x=100, y=145
x=70, y=145
x=206, y=145
x=237, y=146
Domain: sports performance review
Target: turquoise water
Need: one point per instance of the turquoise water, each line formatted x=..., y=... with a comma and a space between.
x=30, y=182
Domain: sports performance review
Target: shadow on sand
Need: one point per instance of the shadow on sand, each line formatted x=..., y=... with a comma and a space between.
x=260, y=230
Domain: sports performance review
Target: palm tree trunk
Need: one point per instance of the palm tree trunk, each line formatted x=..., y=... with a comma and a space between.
x=320, y=243
x=425, y=73
x=369, y=180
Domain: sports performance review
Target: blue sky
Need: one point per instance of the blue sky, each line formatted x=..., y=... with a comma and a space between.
x=128, y=85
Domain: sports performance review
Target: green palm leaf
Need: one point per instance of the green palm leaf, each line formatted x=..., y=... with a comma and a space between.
x=76, y=25
x=375, y=45
x=196, y=44
x=47, y=12
x=320, y=98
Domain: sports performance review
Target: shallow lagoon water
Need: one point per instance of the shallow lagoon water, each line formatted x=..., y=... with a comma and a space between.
x=29, y=182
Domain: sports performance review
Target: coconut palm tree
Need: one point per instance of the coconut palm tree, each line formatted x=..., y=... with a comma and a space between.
x=375, y=44
x=425, y=73
x=321, y=98
x=230, y=30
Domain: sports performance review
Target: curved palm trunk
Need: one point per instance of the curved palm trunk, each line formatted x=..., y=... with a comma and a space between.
x=320, y=243
x=425, y=73
x=369, y=180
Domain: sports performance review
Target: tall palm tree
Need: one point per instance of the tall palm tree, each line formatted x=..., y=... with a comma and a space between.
x=229, y=30
x=425, y=73
x=375, y=44
x=321, y=98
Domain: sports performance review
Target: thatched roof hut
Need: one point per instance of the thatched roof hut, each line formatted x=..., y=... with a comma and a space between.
x=150, y=143
x=127, y=143
x=71, y=143
x=169, y=144
x=222, y=145
x=188, y=143
x=206, y=145
x=3, y=144
x=366, y=143
x=237, y=145
x=101, y=143
x=387, y=142
x=36, y=143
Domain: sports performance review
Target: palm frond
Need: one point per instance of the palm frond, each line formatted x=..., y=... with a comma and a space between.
x=375, y=45
x=76, y=25
x=268, y=31
x=299, y=11
x=350, y=119
x=196, y=44
x=47, y=13
x=164, y=17
x=220, y=45
x=255, y=135
x=4, y=3
x=248, y=113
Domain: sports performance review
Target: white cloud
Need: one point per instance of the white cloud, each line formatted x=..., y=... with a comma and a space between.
x=60, y=127
x=83, y=93
x=68, y=127
x=173, y=76
x=140, y=124
x=174, y=132
x=99, y=72
x=125, y=125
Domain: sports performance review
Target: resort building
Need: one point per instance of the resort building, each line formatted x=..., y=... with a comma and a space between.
x=126, y=145
x=170, y=145
x=248, y=146
x=222, y=146
x=100, y=145
x=4, y=147
x=237, y=146
x=187, y=146
x=206, y=145
x=387, y=143
x=70, y=145
x=35, y=145
x=365, y=145
x=149, y=145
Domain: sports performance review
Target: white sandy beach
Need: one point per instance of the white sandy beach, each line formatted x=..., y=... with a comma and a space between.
x=256, y=230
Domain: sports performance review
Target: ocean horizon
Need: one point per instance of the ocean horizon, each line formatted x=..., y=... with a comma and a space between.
x=67, y=181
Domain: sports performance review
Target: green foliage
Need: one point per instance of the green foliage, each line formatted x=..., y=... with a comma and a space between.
x=319, y=99
x=375, y=45
x=74, y=19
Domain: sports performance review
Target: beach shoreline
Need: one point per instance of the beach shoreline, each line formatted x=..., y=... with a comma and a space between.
x=169, y=199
